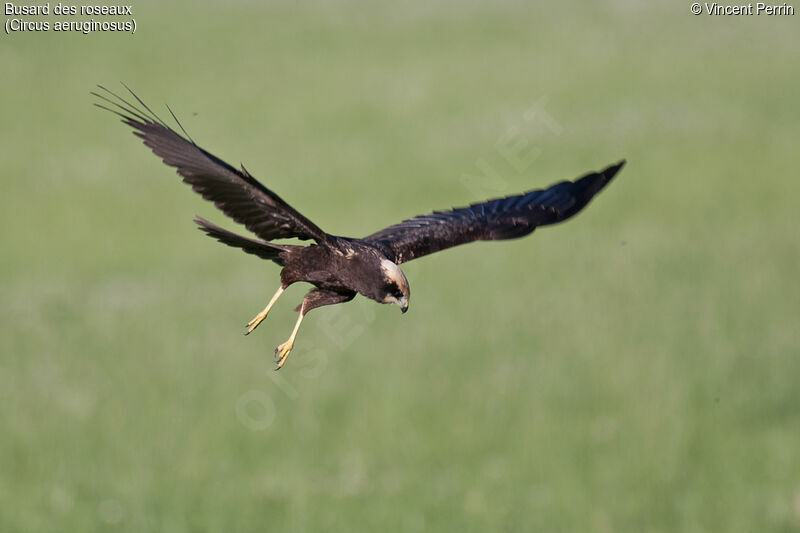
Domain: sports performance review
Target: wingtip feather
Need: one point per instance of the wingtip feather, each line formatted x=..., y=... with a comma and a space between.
x=612, y=170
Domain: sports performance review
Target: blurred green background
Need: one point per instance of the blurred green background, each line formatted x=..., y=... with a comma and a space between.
x=635, y=369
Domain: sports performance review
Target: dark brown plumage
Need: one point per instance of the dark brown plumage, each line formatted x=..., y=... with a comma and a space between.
x=339, y=268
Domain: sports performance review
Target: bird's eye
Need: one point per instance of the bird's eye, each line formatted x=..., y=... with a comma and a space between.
x=393, y=289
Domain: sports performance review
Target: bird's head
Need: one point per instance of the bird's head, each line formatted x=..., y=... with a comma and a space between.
x=395, y=285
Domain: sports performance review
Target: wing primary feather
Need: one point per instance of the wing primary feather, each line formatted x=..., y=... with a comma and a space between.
x=130, y=108
x=509, y=217
x=236, y=193
x=101, y=106
x=118, y=105
x=178, y=122
x=155, y=116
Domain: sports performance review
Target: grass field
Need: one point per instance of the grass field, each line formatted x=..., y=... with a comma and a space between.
x=633, y=370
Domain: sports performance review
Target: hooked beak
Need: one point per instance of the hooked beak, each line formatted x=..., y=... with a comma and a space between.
x=404, y=305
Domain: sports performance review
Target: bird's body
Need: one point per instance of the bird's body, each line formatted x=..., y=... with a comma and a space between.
x=340, y=268
x=347, y=269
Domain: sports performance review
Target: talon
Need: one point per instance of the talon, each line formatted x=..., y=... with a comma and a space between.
x=282, y=352
x=282, y=360
x=253, y=324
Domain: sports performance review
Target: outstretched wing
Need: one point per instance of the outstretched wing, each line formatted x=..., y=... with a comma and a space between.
x=494, y=220
x=235, y=192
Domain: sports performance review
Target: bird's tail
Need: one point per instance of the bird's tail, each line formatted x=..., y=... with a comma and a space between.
x=264, y=250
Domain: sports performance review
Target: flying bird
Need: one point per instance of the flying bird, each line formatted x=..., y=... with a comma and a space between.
x=339, y=268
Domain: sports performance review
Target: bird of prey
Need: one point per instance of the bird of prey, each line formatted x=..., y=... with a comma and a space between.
x=338, y=267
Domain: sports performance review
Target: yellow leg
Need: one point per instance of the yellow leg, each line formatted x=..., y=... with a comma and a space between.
x=253, y=324
x=283, y=351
